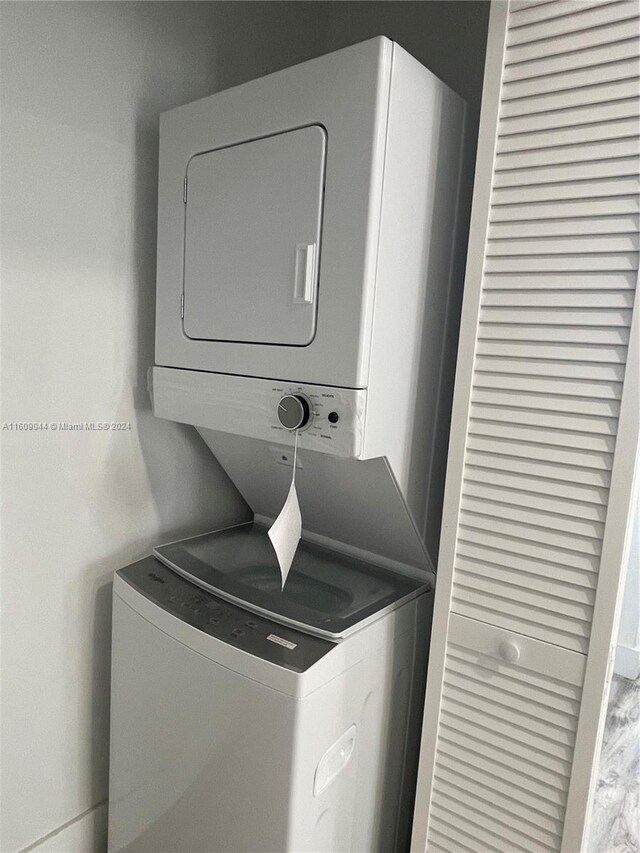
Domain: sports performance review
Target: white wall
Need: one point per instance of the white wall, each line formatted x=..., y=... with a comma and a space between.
x=82, y=86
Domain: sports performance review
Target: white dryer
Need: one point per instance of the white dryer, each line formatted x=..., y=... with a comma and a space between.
x=233, y=730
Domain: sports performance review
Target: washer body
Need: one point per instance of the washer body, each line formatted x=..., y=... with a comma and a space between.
x=231, y=731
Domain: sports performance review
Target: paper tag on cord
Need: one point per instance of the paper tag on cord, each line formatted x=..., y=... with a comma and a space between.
x=286, y=530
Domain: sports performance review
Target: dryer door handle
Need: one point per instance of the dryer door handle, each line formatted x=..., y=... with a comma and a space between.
x=305, y=273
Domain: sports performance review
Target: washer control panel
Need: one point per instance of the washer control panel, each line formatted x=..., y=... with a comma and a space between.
x=329, y=420
x=234, y=625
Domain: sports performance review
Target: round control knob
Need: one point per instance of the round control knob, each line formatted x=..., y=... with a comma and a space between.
x=293, y=411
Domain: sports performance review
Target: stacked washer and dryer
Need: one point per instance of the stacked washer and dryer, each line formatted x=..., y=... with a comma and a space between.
x=310, y=264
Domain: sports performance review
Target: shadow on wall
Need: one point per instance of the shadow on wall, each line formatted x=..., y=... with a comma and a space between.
x=100, y=681
x=167, y=446
x=447, y=37
x=446, y=241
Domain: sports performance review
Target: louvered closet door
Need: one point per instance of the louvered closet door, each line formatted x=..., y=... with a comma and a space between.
x=544, y=437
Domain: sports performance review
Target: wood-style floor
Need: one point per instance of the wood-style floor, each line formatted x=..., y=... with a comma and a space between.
x=615, y=821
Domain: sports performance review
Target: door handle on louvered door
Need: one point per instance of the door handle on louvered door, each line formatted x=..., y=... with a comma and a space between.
x=509, y=651
x=305, y=273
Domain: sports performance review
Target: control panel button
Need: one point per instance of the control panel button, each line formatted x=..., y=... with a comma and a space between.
x=237, y=632
x=333, y=417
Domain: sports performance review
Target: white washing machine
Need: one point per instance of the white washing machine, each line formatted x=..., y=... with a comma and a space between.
x=244, y=718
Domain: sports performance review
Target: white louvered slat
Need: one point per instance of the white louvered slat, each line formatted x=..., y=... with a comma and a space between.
x=529, y=565
x=527, y=542
x=481, y=796
x=558, y=507
x=579, y=18
x=522, y=15
x=578, y=299
x=536, y=484
x=513, y=511
x=486, y=553
x=592, y=244
x=547, y=367
x=563, y=172
x=494, y=767
x=551, y=102
x=583, y=262
x=536, y=434
x=552, y=143
x=567, y=154
x=545, y=452
x=579, y=423
x=514, y=829
x=572, y=387
x=502, y=729
x=564, y=280
x=555, y=315
x=558, y=334
x=573, y=353
x=563, y=80
x=522, y=802
x=484, y=535
x=473, y=589
x=553, y=541
x=514, y=575
x=590, y=57
x=625, y=27
x=533, y=468
x=563, y=191
x=608, y=111
x=560, y=209
x=528, y=399
x=472, y=831
x=568, y=226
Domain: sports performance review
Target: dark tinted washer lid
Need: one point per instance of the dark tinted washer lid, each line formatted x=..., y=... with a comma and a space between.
x=327, y=591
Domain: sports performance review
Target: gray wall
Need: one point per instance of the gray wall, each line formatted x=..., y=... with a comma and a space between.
x=448, y=37
x=82, y=85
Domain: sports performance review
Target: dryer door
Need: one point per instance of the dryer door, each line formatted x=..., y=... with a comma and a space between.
x=252, y=240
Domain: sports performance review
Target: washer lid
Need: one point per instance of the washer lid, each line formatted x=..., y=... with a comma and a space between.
x=326, y=592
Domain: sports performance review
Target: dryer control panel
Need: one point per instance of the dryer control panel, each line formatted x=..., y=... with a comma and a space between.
x=329, y=420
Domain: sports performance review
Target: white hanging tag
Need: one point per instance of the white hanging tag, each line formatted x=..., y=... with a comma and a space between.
x=286, y=530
